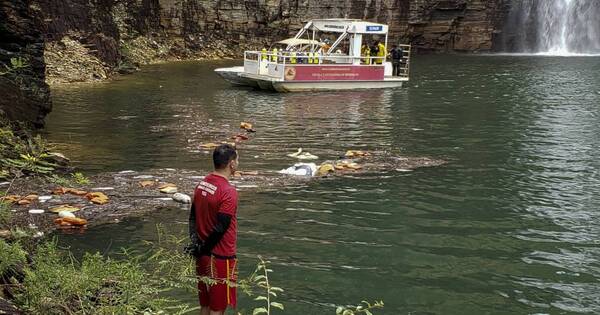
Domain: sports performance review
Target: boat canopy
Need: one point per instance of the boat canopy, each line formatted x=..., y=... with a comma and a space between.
x=346, y=26
x=299, y=41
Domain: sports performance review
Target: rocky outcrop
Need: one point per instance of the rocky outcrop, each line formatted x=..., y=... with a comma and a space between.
x=25, y=94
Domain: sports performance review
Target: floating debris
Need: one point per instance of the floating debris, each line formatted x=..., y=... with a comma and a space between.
x=356, y=153
x=71, y=221
x=43, y=199
x=60, y=208
x=147, y=183
x=182, y=198
x=66, y=214
x=301, y=169
x=347, y=165
x=168, y=188
x=246, y=126
x=303, y=155
x=97, y=198
x=72, y=191
x=36, y=211
x=325, y=169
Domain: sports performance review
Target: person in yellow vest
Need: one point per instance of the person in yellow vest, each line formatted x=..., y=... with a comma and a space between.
x=381, y=53
x=310, y=57
x=316, y=58
x=293, y=57
x=274, y=57
x=263, y=54
x=366, y=52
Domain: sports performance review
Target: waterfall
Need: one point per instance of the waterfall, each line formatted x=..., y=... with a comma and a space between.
x=553, y=27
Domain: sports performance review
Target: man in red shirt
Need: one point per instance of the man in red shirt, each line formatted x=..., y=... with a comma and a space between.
x=213, y=228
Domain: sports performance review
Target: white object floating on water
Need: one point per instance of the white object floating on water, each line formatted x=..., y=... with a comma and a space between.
x=300, y=169
x=417, y=129
x=66, y=214
x=143, y=176
x=303, y=155
x=43, y=199
x=246, y=186
x=36, y=211
x=182, y=198
x=103, y=188
x=127, y=172
x=4, y=183
x=403, y=170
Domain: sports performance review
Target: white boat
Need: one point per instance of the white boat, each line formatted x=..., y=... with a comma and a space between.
x=308, y=63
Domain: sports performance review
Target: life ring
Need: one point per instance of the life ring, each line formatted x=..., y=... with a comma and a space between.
x=290, y=73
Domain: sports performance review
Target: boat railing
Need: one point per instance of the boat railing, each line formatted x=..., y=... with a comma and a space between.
x=267, y=63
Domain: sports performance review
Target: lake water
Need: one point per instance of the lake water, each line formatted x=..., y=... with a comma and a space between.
x=511, y=225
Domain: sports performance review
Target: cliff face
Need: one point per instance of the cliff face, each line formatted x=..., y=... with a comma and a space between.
x=24, y=92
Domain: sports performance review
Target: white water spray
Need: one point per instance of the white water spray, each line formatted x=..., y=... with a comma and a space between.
x=555, y=27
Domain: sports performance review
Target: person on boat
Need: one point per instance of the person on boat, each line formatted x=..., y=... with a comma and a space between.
x=274, y=57
x=213, y=232
x=263, y=54
x=366, y=52
x=374, y=50
x=396, y=54
x=381, y=52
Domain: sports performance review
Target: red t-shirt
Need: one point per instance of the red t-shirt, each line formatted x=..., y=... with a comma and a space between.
x=213, y=195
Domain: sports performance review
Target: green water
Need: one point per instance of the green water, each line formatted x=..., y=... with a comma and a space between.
x=510, y=226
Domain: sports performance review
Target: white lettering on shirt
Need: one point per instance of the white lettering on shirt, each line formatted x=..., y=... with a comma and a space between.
x=207, y=187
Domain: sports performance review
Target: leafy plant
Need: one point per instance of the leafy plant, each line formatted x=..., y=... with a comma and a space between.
x=16, y=63
x=260, y=278
x=80, y=179
x=364, y=308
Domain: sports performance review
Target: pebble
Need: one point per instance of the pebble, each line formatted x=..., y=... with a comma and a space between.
x=66, y=214
x=164, y=199
x=169, y=190
x=36, y=211
x=182, y=198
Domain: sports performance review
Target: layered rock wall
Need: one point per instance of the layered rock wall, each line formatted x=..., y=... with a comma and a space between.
x=24, y=94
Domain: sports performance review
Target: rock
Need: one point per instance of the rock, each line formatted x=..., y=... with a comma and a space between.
x=60, y=208
x=58, y=158
x=5, y=234
x=182, y=198
x=36, y=211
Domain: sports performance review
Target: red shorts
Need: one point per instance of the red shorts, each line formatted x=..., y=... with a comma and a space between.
x=222, y=293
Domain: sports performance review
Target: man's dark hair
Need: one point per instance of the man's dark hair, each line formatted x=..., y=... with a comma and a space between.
x=224, y=154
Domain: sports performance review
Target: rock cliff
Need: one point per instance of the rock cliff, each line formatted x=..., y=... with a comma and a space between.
x=23, y=90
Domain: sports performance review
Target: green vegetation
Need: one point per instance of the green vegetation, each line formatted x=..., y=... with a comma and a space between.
x=23, y=154
x=80, y=179
x=135, y=283
x=16, y=64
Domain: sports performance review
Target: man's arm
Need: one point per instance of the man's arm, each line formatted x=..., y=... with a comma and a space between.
x=223, y=222
x=192, y=225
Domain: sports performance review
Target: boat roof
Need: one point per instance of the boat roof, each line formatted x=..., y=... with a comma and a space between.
x=347, y=25
x=299, y=41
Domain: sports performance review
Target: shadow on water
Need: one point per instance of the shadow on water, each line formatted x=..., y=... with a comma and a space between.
x=509, y=226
